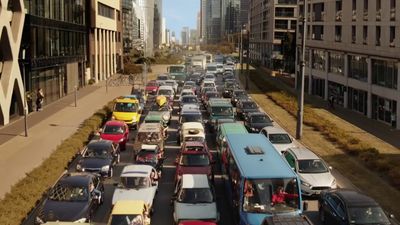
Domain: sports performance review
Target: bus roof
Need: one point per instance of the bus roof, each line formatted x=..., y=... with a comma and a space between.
x=267, y=164
x=233, y=128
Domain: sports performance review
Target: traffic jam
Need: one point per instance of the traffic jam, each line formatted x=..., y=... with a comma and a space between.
x=193, y=148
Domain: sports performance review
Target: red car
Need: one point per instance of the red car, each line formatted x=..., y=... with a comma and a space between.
x=152, y=87
x=194, y=162
x=117, y=132
x=196, y=222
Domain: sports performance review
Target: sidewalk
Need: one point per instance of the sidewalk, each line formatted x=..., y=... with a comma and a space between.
x=358, y=124
x=57, y=121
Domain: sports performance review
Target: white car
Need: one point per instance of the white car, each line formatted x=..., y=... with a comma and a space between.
x=211, y=68
x=185, y=92
x=192, y=131
x=138, y=182
x=279, y=138
x=315, y=175
x=208, y=83
x=167, y=91
x=194, y=199
x=172, y=83
x=209, y=77
x=220, y=68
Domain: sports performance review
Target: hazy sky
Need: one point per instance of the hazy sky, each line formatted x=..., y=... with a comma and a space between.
x=180, y=13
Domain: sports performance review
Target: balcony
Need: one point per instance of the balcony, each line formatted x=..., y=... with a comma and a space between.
x=338, y=15
x=354, y=15
x=378, y=15
x=365, y=15
x=393, y=14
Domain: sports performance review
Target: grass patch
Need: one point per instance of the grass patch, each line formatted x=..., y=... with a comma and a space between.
x=26, y=194
x=385, y=165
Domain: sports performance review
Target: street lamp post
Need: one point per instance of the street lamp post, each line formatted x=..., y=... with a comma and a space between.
x=300, y=101
x=25, y=100
x=247, y=58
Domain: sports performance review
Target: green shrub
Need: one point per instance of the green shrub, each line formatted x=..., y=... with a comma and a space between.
x=27, y=192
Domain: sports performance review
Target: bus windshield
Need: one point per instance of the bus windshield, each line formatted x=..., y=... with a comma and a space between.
x=271, y=195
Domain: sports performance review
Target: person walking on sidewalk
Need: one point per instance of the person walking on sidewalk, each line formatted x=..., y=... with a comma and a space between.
x=39, y=99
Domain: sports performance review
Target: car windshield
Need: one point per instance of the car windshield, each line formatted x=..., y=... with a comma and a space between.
x=156, y=107
x=196, y=139
x=240, y=94
x=221, y=111
x=97, y=151
x=272, y=196
x=191, y=118
x=164, y=92
x=67, y=192
x=125, y=107
x=194, y=148
x=260, y=119
x=209, y=77
x=162, y=78
x=220, y=66
x=229, y=85
x=126, y=220
x=249, y=105
x=195, y=195
x=113, y=129
x=169, y=83
x=312, y=166
x=209, y=85
x=367, y=215
x=279, y=138
x=211, y=68
x=194, y=160
x=176, y=69
x=148, y=137
x=146, y=156
x=135, y=182
x=187, y=87
x=212, y=95
x=151, y=84
x=189, y=99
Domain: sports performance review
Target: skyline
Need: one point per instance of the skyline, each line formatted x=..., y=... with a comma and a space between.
x=179, y=14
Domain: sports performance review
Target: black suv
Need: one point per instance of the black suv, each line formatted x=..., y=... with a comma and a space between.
x=255, y=121
x=74, y=198
x=245, y=106
x=237, y=95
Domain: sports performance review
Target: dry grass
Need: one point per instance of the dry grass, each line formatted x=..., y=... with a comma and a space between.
x=365, y=169
x=24, y=195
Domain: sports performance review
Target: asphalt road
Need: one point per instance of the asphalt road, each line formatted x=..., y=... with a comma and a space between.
x=163, y=209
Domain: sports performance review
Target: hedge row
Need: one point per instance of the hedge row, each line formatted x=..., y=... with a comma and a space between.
x=369, y=155
x=28, y=192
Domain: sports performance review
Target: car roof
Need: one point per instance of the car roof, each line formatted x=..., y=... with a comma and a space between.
x=190, y=107
x=128, y=207
x=302, y=153
x=124, y=99
x=74, y=178
x=193, y=143
x=149, y=147
x=165, y=87
x=195, y=181
x=192, y=125
x=137, y=170
x=275, y=130
x=355, y=198
x=149, y=127
x=114, y=122
x=101, y=142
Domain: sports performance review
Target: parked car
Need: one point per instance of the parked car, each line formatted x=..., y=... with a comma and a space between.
x=99, y=156
x=129, y=213
x=279, y=138
x=255, y=121
x=137, y=182
x=314, y=174
x=115, y=131
x=194, y=199
x=75, y=198
x=238, y=94
x=245, y=106
x=152, y=87
x=343, y=206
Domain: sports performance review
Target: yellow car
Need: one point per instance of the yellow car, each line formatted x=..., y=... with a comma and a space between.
x=127, y=110
x=129, y=212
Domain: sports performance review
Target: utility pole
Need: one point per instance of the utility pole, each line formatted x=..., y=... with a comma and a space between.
x=300, y=101
x=247, y=58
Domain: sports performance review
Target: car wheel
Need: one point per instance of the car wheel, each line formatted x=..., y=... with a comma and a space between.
x=111, y=172
x=322, y=216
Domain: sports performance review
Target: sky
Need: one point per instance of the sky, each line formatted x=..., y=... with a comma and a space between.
x=180, y=13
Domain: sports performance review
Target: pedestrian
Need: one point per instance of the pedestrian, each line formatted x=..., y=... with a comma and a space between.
x=39, y=99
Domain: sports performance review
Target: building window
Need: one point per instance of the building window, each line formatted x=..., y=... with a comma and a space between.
x=318, y=59
x=392, y=36
x=357, y=100
x=384, y=73
x=281, y=24
x=106, y=11
x=338, y=33
x=354, y=10
x=353, y=34
x=378, y=36
x=317, y=32
x=336, y=63
x=339, y=10
x=337, y=91
x=365, y=35
x=365, y=9
x=393, y=10
x=358, y=68
x=383, y=108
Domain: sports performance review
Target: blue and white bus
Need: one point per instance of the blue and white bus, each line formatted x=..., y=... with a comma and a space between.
x=258, y=181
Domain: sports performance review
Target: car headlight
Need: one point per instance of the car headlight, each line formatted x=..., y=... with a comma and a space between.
x=105, y=168
x=121, y=140
x=305, y=183
x=113, y=117
x=81, y=220
x=78, y=167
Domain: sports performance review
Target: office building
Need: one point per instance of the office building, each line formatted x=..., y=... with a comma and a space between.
x=193, y=40
x=352, y=54
x=213, y=21
x=234, y=15
x=147, y=7
x=203, y=20
x=270, y=23
x=163, y=32
x=157, y=29
x=12, y=85
x=167, y=37
x=185, y=36
x=105, y=39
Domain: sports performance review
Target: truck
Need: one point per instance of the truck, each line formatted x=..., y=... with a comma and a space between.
x=178, y=73
x=199, y=61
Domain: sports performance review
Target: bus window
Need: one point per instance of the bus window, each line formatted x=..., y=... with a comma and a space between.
x=270, y=195
x=290, y=159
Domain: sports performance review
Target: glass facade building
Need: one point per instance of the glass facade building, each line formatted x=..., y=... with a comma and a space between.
x=55, y=39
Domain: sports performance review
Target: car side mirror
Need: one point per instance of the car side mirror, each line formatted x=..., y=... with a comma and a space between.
x=100, y=130
x=305, y=206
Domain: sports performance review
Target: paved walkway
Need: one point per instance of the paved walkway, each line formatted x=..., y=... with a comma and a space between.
x=57, y=121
